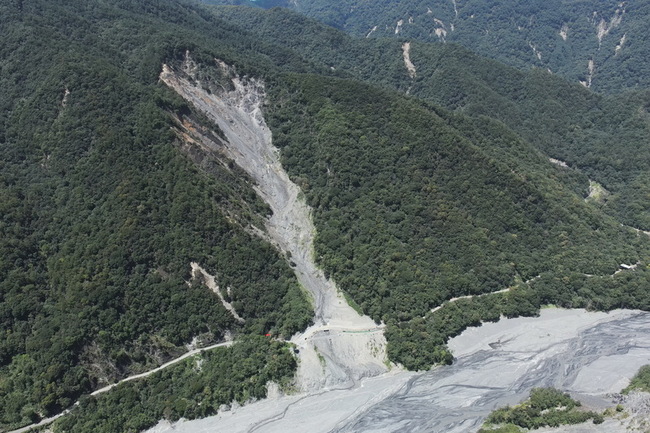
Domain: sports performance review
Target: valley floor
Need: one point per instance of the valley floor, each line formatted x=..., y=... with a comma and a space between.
x=588, y=354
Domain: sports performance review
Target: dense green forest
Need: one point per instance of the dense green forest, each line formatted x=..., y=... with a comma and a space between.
x=411, y=211
x=102, y=214
x=546, y=407
x=560, y=35
x=195, y=389
x=418, y=198
x=563, y=120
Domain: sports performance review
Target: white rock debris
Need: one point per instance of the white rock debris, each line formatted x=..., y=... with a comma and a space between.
x=398, y=27
x=591, y=67
x=558, y=162
x=564, y=31
x=211, y=282
x=620, y=44
x=537, y=53
x=66, y=95
x=410, y=67
x=604, y=27
x=440, y=30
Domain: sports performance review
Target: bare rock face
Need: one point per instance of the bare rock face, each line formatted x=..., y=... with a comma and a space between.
x=342, y=346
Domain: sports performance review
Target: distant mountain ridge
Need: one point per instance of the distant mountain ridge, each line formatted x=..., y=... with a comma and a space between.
x=603, y=44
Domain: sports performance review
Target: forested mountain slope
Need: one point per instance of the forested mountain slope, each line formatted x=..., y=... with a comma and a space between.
x=602, y=44
x=105, y=206
x=604, y=137
x=101, y=214
x=411, y=210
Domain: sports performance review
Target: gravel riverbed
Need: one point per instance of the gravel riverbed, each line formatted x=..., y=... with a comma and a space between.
x=590, y=355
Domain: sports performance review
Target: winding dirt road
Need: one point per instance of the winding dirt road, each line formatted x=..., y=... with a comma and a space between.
x=189, y=354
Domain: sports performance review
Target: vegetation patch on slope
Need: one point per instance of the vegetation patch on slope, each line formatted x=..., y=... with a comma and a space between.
x=545, y=407
x=602, y=44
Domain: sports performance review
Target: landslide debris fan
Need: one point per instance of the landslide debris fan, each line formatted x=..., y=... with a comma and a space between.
x=358, y=349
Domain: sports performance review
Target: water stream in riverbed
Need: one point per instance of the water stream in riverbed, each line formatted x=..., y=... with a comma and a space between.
x=457, y=398
x=587, y=354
